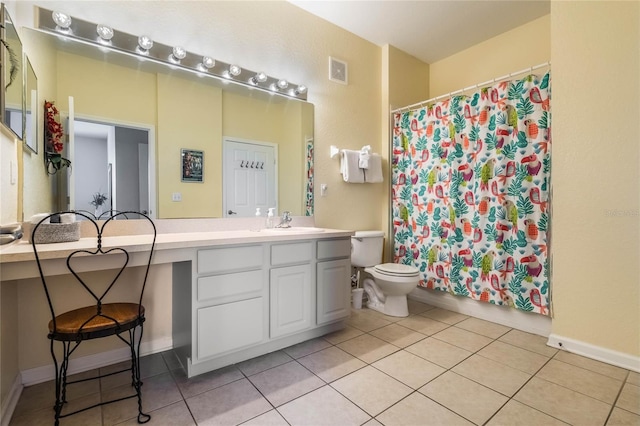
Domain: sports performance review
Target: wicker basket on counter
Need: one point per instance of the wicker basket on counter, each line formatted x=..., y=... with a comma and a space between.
x=57, y=233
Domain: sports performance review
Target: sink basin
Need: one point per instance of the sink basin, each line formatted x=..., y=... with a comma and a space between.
x=293, y=230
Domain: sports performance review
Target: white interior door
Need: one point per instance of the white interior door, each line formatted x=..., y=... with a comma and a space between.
x=250, y=180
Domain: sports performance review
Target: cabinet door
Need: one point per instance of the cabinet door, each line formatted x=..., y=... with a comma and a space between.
x=230, y=326
x=290, y=300
x=334, y=290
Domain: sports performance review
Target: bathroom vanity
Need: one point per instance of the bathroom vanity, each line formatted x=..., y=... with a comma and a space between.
x=236, y=294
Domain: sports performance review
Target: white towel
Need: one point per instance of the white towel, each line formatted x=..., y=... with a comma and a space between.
x=374, y=173
x=67, y=218
x=365, y=154
x=38, y=217
x=349, y=166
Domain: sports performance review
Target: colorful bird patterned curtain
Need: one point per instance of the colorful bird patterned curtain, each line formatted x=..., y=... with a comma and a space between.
x=470, y=188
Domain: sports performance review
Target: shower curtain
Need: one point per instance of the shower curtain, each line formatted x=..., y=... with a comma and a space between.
x=470, y=189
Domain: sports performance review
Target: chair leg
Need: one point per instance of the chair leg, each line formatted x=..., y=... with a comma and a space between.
x=61, y=379
x=135, y=372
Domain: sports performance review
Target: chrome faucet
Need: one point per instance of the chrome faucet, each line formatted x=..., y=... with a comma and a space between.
x=285, y=222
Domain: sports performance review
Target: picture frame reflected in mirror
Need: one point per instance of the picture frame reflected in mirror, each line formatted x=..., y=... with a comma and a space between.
x=192, y=165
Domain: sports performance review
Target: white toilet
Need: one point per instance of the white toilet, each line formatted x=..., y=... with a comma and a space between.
x=387, y=291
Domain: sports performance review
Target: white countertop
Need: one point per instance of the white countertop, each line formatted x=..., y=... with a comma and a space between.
x=22, y=251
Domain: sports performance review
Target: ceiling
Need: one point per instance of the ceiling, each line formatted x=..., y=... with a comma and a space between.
x=428, y=30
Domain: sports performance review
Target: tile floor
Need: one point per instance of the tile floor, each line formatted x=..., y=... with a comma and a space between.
x=434, y=367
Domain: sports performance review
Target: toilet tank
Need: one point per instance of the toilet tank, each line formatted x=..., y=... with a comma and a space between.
x=366, y=248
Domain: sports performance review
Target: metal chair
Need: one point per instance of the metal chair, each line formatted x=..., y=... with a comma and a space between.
x=99, y=319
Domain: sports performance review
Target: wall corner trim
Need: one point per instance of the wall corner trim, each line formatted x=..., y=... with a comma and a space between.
x=10, y=403
x=598, y=353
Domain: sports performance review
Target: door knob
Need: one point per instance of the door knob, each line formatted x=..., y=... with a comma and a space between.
x=231, y=212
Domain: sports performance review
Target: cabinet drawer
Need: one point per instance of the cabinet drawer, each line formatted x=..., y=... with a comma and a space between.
x=230, y=326
x=229, y=285
x=332, y=249
x=283, y=254
x=229, y=259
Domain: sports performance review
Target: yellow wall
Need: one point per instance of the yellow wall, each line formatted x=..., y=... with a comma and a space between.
x=596, y=105
x=511, y=51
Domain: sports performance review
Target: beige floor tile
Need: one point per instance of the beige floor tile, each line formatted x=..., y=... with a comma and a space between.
x=416, y=409
x=332, y=363
x=372, y=313
x=445, y=316
x=371, y=390
x=324, y=406
x=44, y=394
x=465, y=397
x=173, y=415
x=171, y=359
x=366, y=322
x=620, y=417
x=491, y=374
x=398, y=335
x=416, y=307
x=515, y=413
x=157, y=392
x=408, y=368
x=629, y=398
x=423, y=325
x=528, y=341
x=634, y=378
x=591, y=364
x=285, y=382
x=463, y=339
x=228, y=405
x=270, y=418
x=306, y=348
x=342, y=335
x=514, y=357
x=438, y=352
x=205, y=382
x=580, y=380
x=373, y=422
x=486, y=328
x=45, y=416
x=562, y=403
x=264, y=362
x=368, y=348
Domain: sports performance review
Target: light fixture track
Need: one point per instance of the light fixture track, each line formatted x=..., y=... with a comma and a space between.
x=143, y=46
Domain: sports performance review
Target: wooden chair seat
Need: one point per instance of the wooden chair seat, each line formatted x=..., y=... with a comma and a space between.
x=127, y=315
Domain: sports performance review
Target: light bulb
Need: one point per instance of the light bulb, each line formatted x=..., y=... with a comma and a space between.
x=282, y=84
x=61, y=19
x=235, y=70
x=104, y=32
x=179, y=53
x=208, y=62
x=258, y=78
x=301, y=89
x=145, y=42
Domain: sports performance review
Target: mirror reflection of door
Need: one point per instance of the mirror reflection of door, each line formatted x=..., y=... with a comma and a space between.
x=250, y=179
x=110, y=160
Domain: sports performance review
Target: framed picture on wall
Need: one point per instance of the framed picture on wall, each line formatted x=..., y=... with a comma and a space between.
x=192, y=165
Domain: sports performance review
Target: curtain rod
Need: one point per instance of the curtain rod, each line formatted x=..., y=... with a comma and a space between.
x=475, y=86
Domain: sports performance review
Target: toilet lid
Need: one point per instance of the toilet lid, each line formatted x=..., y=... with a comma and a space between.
x=397, y=269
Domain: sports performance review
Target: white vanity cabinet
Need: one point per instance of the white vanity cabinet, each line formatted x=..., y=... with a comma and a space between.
x=334, y=297
x=246, y=300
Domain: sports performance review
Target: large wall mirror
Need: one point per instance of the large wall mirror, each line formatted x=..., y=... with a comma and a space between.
x=167, y=111
x=12, y=105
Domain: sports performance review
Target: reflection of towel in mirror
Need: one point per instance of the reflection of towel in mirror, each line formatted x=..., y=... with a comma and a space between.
x=349, y=166
x=365, y=154
x=374, y=173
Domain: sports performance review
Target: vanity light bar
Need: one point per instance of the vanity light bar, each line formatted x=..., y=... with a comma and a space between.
x=175, y=56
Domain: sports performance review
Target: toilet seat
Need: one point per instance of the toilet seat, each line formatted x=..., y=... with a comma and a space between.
x=397, y=270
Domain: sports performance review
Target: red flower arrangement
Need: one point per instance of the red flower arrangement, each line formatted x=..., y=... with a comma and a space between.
x=54, y=129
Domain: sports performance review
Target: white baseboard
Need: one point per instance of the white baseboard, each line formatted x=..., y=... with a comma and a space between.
x=598, y=353
x=45, y=373
x=514, y=318
x=9, y=404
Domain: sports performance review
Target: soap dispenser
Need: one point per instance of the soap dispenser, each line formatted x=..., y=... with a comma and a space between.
x=258, y=220
x=270, y=218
